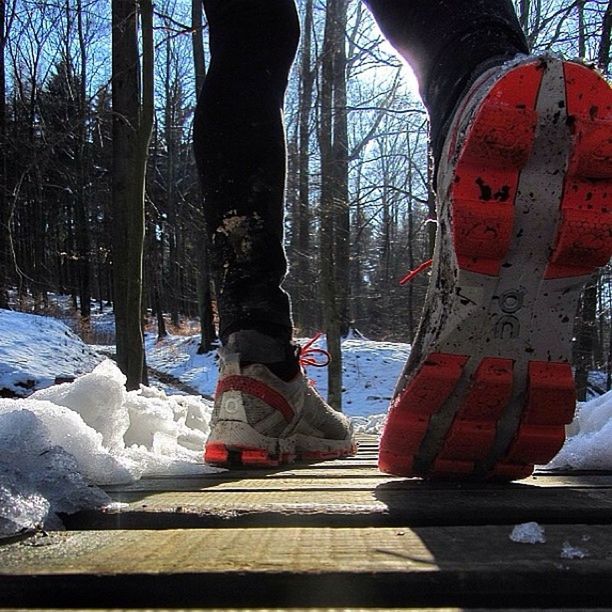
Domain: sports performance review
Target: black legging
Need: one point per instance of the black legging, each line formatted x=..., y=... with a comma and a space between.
x=239, y=136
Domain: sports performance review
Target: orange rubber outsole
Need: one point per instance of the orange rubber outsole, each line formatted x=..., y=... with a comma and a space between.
x=220, y=455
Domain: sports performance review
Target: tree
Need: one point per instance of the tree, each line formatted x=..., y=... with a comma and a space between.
x=4, y=209
x=603, y=56
x=205, y=308
x=80, y=204
x=333, y=142
x=132, y=126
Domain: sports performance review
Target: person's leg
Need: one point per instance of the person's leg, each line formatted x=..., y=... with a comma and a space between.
x=239, y=148
x=266, y=412
x=523, y=183
x=448, y=43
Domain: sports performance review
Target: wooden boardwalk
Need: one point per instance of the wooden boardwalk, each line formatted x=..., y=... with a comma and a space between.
x=335, y=534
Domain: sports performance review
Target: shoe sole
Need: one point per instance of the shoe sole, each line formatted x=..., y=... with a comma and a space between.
x=236, y=444
x=221, y=455
x=529, y=221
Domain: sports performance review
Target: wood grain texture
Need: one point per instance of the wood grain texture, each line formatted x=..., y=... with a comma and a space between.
x=341, y=566
x=333, y=534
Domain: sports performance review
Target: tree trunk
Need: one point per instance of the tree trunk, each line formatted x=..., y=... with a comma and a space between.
x=4, y=205
x=333, y=229
x=172, y=280
x=603, y=57
x=203, y=284
x=581, y=29
x=132, y=125
x=301, y=237
x=342, y=219
x=81, y=208
x=586, y=339
x=524, y=6
x=432, y=227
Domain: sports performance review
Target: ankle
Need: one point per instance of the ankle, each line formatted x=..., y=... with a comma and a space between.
x=280, y=356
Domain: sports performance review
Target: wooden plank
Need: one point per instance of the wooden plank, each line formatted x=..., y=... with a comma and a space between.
x=347, y=462
x=301, y=471
x=261, y=484
x=294, y=471
x=346, y=480
x=455, y=566
x=410, y=502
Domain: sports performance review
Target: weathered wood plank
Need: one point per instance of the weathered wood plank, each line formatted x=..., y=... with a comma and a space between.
x=458, y=566
x=408, y=502
x=256, y=484
x=349, y=462
x=346, y=480
x=292, y=471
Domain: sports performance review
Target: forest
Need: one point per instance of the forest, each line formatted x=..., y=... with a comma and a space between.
x=99, y=195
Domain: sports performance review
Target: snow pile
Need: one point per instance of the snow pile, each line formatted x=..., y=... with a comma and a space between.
x=36, y=350
x=528, y=533
x=59, y=443
x=372, y=424
x=588, y=446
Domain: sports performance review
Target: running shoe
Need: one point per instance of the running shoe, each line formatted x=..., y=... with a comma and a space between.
x=263, y=421
x=524, y=196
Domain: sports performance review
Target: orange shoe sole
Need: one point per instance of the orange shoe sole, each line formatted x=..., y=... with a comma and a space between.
x=220, y=455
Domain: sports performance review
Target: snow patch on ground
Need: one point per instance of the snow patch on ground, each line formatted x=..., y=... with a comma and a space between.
x=589, y=442
x=573, y=552
x=61, y=442
x=36, y=350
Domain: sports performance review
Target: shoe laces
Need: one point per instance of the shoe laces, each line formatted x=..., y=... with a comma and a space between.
x=406, y=279
x=308, y=353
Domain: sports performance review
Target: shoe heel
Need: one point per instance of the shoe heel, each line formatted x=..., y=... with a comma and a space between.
x=472, y=434
x=408, y=417
x=549, y=406
x=584, y=236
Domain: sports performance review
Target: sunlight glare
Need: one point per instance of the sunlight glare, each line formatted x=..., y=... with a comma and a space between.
x=409, y=77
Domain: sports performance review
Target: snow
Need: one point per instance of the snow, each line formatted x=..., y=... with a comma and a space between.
x=588, y=446
x=36, y=350
x=60, y=444
x=370, y=369
x=573, y=552
x=528, y=533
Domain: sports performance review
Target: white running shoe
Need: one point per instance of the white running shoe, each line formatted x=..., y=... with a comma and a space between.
x=261, y=420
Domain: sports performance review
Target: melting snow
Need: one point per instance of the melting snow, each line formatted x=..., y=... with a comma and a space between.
x=588, y=446
x=56, y=445
x=528, y=533
x=573, y=552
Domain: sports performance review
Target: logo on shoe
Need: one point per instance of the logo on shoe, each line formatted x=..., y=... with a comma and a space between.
x=507, y=325
x=232, y=407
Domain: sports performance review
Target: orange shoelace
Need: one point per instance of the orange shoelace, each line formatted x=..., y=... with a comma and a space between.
x=308, y=354
x=416, y=272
